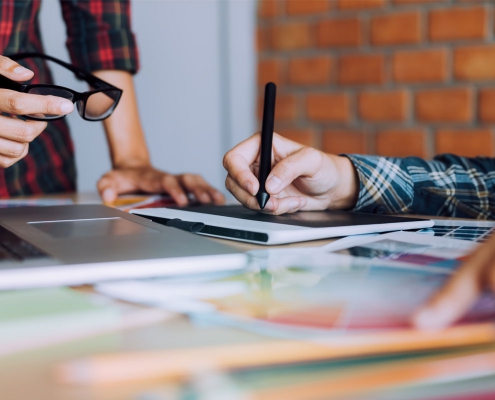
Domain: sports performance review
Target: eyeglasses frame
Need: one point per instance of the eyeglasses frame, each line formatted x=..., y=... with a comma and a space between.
x=100, y=86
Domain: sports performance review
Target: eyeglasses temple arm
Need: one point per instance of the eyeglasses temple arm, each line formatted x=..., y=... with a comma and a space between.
x=81, y=74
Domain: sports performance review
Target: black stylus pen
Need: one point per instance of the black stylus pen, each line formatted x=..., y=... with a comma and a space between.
x=266, y=142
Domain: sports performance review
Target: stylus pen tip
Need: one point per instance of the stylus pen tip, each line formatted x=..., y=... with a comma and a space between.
x=262, y=198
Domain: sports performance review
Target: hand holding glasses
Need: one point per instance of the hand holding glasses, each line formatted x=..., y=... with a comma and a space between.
x=94, y=105
x=40, y=103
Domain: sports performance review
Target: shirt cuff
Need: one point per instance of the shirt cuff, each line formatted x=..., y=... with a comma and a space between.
x=110, y=50
x=384, y=187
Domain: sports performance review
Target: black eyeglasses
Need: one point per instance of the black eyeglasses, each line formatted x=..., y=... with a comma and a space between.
x=94, y=105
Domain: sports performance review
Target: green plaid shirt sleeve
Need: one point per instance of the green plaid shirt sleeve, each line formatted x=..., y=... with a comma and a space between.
x=99, y=34
x=448, y=185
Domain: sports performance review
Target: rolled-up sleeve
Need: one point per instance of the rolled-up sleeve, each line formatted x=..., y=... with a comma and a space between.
x=448, y=185
x=99, y=35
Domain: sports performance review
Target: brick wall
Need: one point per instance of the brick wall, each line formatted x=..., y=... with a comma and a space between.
x=389, y=77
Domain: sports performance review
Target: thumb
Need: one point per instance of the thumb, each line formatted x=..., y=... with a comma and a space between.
x=12, y=70
x=108, y=190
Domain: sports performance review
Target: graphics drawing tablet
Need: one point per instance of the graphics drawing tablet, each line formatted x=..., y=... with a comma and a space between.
x=238, y=223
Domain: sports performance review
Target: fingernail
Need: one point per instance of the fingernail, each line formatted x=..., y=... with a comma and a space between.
x=20, y=70
x=66, y=107
x=273, y=184
x=108, y=195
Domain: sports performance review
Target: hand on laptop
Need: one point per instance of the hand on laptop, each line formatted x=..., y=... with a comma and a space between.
x=16, y=134
x=301, y=178
x=150, y=180
x=456, y=298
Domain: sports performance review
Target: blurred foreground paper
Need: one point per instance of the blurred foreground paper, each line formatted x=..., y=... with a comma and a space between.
x=31, y=319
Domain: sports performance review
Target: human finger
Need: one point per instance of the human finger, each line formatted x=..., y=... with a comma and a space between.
x=285, y=205
x=458, y=294
x=171, y=185
x=11, y=148
x=108, y=188
x=244, y=197
x=20, y=131
x=13, y=70
x=16, y=103
x=118, y=182
x=304, y=162
x=238, y=166
x=196, y=185
x=239, y=161
x=6, y=162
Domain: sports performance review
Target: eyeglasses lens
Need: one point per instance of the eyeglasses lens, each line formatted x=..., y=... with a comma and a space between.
x=100, y=105
x=48, y=91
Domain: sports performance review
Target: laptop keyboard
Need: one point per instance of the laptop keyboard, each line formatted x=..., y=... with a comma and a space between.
x=13, y=248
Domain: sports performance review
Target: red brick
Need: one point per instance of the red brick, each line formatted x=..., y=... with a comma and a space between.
x=300, y=7
x=306, y=137
x=270, y=70
x=404, y=2
x=403, y=28
x=339, y=32
x=286, y=109
x=486, y=104
x=338, y=141
x=330, y=107
x=262, y=39
x=291, y=36
x=474, y=63
x=465, y=142
x=383, y=106
x=401, y=143
x=420, y=66
x=360, y=4
x=444, y=105
x=361, y=69
x=267, y=8
x=458, y=23
x=310, y=71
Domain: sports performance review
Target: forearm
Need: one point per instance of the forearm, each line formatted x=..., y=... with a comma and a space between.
x=448, y=185
x=123, y=128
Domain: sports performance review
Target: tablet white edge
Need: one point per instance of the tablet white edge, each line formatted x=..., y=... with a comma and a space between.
x=278, y=233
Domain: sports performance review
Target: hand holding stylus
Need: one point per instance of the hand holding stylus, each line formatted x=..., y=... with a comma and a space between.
x=301, y=178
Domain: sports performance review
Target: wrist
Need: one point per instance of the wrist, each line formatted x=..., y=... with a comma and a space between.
x=347, y=190
x=131, y=162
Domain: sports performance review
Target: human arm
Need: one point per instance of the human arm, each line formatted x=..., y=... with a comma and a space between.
x=448, y=185
x=311, y=180
x=100, y=39
x=132, y=170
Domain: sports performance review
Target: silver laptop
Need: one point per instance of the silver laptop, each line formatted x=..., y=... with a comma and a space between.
x=76, y=244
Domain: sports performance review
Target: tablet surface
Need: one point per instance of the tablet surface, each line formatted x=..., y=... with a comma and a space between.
x=238, y=223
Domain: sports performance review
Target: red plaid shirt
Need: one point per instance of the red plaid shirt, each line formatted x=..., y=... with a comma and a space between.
x=99, y=37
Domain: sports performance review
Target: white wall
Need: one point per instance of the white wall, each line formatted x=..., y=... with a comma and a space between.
x=196, y=86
